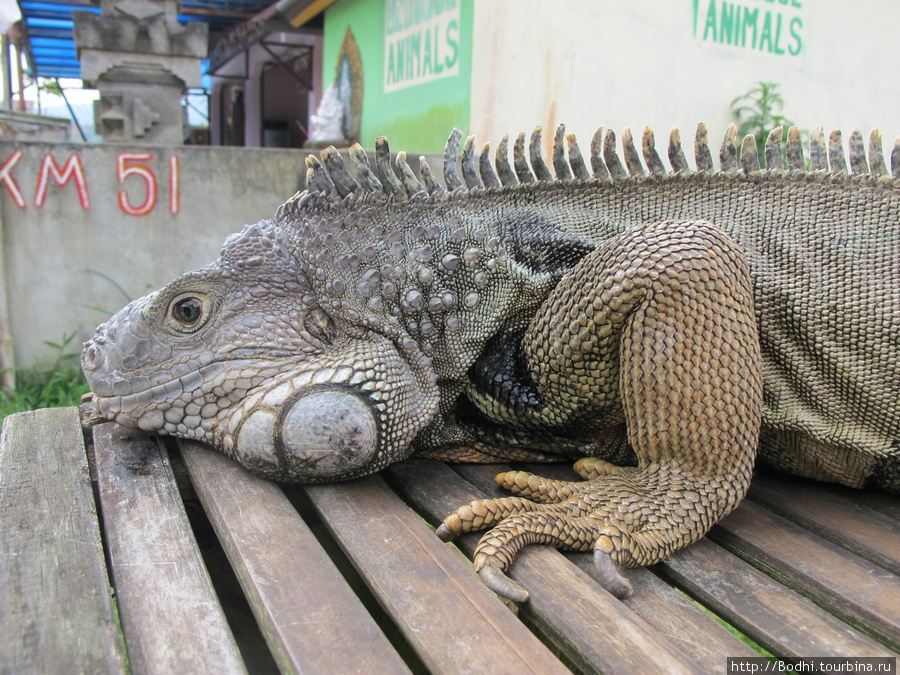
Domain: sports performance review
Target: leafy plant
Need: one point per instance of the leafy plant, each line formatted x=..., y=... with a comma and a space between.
x=61, y=385
x=758, y=111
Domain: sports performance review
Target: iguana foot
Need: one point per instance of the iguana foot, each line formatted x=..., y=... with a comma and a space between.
x=629, y=517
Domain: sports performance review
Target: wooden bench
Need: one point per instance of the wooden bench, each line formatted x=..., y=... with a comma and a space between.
x=110, y=563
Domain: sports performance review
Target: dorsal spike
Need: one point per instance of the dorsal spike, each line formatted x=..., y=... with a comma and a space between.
x=410, y=183
x=536, y=156
x=895, y=159
x=749, y=154
x=795, y=150
x=469, y=168
x=560, y=164
x=651, y=157
x=857, y=147
x=774, y=158
x=676, y=152
x=818, y=157
x=523, y=171
x=451, y=150
x=876, y=154
x=632, y=159
x=343, y=181
x=428, y=178
x=728, y=151
x=576, y=161
x=317, y=178
x=390, y=184
x=836, y=152
x=597, y=164
x=501, y=161
x=702, y=154
x=486, y=169
x=367, y=179
x=613, y=163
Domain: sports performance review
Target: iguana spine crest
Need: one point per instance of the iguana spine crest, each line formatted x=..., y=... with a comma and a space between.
x=329, y=180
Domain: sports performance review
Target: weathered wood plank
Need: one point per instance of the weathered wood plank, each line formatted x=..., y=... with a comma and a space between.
x=566, y=606
x=777, y=618
x=856, y=590
x=882, y=502
x=681, y=622
x=55, y=605
x=869, y=534
x=310, y=617
x=454, y=623
x=171, y=617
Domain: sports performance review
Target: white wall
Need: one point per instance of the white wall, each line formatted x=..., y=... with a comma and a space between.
x=598, y=62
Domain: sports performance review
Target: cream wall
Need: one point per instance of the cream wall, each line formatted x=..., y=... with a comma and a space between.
x=593, y=62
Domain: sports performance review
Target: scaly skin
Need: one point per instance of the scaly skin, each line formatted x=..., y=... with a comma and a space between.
x=656, y=324
x=669, y=327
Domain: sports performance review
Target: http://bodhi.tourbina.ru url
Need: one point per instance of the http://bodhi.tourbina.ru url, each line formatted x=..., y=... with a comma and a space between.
x=815, y=664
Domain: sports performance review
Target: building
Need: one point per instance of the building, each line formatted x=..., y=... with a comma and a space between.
x=413, y=69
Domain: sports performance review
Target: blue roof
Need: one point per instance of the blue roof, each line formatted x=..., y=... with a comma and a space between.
x=51, y=46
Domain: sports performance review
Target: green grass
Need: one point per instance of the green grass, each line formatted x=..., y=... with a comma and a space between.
x=60, y=385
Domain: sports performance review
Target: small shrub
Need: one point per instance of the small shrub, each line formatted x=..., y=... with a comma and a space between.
x=758, y=112
x=61, y=385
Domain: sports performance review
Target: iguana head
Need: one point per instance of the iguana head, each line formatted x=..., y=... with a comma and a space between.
x=258, y=357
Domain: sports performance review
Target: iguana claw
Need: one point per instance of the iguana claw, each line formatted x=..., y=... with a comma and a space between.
x=610, y=577
x=502, y=585
x=444, y=533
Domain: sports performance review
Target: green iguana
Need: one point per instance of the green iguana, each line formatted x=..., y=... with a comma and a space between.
x=664, y=324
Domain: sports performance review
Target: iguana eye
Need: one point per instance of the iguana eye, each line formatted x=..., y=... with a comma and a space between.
x=188, y=312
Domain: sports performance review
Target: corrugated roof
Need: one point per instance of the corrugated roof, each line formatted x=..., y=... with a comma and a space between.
x=51, y=46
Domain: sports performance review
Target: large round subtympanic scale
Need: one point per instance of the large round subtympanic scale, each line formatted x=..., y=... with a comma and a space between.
x=328, y=433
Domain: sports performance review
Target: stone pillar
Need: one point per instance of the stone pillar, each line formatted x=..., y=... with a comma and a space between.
x=142, y=61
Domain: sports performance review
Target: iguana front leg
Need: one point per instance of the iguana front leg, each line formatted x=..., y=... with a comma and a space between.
x=658, y=322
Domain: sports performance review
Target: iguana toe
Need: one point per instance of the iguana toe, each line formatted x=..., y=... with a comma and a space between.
x=538, y=489
x=481, y=514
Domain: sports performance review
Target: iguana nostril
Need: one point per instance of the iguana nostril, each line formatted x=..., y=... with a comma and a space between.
x=92, y=357
x=328, y=434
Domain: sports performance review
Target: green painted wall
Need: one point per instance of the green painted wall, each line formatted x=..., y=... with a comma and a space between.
x=417, y=67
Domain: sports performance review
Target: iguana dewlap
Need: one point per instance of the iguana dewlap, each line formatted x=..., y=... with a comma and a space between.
x=665, y=324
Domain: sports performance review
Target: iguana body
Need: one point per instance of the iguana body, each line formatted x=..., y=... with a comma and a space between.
x=675, y=322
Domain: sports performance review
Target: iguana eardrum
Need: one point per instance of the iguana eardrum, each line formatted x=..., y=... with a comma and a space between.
x=665, y=324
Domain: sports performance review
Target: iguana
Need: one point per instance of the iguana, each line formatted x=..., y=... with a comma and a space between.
x=665, y=324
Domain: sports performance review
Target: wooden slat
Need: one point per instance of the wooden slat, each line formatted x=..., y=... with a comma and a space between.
x=678, y=619
x=55, y=605
x=882, y=502
x=860, y=592
x=565, y=605
x=782, y=621
x=454, y=623
x=869, y=534
x=311, y=619
x=171, y=617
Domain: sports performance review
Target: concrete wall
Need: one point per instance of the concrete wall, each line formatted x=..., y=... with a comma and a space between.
x=661, y=63
x=65, y=249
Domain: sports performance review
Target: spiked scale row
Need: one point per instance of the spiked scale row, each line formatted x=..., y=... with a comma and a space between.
x=330, y=179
